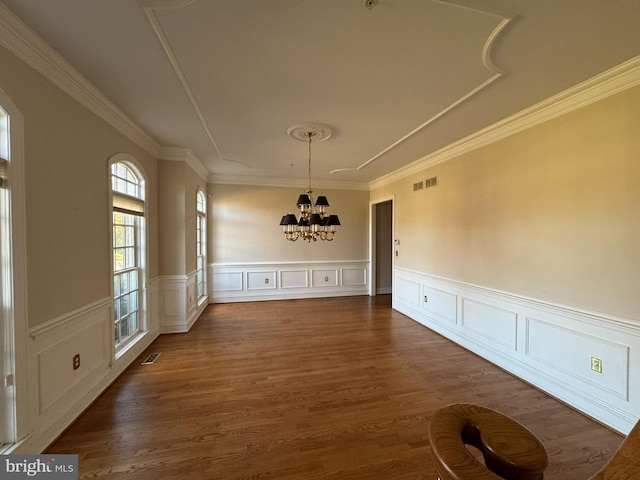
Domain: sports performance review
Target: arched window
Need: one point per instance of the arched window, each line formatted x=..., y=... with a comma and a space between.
x=201, y=245
x=128, y=250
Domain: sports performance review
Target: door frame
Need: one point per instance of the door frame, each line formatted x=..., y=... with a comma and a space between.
x=373, y=240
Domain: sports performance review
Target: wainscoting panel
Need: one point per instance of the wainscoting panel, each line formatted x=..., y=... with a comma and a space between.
x=246, y=282
x=181, y=307
x=261, y=280
x=407, y=291
x=354, y=276
x=570, y=352
x=582, y=358
x=59, y=388
x=56, y=376
x=226, y=281
x=441, y=305
x=294, y=279
x=324, y=278
x=495, y=324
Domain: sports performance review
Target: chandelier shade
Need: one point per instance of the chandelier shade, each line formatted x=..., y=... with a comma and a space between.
x=322, y=201
x=304, y=200
x=314, y=222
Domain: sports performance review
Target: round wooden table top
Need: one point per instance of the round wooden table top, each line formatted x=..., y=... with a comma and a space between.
x=510, y=451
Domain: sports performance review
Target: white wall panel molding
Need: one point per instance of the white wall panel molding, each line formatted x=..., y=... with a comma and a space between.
x=178, y=303
x=58, y=392
x=153, y=305
x=548, y=345
x=495, y=324
x=294, y=278
x=568, y=352
x=246, y=282
x=74, y=318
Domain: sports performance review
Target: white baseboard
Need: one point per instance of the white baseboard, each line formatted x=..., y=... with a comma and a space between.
x=547, y=345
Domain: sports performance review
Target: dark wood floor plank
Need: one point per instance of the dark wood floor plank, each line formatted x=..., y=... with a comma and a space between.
x=339, y=388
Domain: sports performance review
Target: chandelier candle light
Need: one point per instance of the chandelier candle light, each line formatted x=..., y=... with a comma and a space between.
x=314, y=223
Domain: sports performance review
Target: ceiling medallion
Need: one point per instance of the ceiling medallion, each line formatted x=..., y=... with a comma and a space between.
x=301, y=131
x=314, y=223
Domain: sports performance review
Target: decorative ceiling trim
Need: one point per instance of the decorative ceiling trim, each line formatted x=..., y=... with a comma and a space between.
x=19, y=39
x=603, y=85
x=166, y=3
x=486, y=61
x=285, y=182
x=177, y=68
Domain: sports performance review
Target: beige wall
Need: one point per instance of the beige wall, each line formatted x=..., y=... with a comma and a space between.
x=178, y=185
x=172, y=205
x=551, y=213
x=244, y=225
x=66, y=154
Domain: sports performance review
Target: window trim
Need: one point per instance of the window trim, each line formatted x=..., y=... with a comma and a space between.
x=16, y=326
x=201, y=242
x=128, y=204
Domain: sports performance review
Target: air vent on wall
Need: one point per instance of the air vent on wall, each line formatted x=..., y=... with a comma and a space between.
x=428, y=183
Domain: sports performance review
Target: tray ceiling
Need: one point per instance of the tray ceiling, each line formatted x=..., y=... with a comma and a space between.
x=227, y=78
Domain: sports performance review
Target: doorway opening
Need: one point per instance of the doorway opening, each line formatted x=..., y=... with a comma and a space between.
x=381, y=248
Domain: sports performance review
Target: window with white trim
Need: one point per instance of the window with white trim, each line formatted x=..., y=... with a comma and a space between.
x=201, y=244
x=5, y=283
x=127, y=251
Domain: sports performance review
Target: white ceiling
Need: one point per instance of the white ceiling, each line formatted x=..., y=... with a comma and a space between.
x=226, y=78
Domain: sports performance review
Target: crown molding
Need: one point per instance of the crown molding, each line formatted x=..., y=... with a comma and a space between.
x=601, y=86
x=286, y=182
x=19, y=39
x=178, y=154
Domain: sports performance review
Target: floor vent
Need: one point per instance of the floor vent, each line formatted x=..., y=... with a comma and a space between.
x=151, y=359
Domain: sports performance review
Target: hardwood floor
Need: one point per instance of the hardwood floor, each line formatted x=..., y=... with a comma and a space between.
x=268, y=390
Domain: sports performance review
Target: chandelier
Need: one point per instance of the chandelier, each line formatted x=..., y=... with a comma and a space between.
x=314, y=222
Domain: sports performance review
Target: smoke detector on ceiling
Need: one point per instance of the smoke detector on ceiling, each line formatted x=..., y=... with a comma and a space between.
x=370, y=3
